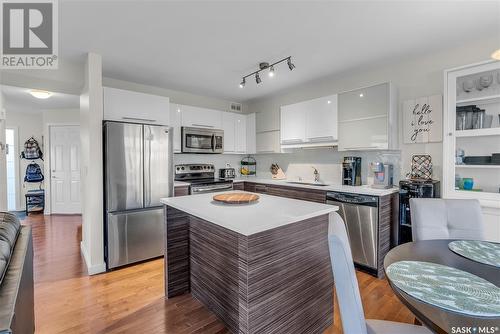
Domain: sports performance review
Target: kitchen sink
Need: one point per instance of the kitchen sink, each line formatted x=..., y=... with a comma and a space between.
x=308, y=183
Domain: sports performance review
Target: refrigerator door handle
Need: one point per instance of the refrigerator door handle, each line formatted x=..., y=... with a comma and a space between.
x=147, y=166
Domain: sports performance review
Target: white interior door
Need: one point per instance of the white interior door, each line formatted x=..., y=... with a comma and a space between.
x=65, y=169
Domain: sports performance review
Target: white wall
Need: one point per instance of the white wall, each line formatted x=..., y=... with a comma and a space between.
x=3, y=157
x=51, y=118
x=420, y=75
x=27, y=125
x=174, y=95
x=91, y=173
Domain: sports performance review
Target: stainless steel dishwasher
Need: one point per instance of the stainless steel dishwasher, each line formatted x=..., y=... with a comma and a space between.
x=360, y=214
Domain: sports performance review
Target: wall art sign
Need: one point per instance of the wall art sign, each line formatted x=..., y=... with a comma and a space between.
x=423, y=119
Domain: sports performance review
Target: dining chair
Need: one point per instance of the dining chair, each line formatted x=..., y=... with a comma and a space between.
x=347, y=289
x=437, y=218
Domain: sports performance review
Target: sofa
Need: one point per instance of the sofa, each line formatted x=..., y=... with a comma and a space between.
x=17, y=312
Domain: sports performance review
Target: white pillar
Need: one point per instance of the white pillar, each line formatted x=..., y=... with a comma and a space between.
x=91, y=116
x=3, y=154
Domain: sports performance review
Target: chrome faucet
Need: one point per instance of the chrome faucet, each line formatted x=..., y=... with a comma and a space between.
x=316, y=174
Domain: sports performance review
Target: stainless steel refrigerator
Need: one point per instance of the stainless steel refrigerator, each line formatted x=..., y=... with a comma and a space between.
x=138, y=171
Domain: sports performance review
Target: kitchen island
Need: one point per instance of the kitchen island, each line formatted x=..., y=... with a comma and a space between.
x=260, y=267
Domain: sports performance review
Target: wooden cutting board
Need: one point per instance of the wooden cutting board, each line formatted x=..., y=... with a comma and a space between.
x=236, y=198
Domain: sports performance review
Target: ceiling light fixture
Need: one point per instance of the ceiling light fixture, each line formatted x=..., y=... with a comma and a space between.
x=264, y=66
x=496, y=54
x=257, y=78
x=361, y=95
x=40, y=94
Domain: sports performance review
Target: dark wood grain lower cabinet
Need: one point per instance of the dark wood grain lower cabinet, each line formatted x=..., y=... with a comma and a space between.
x=388, y=209
x=239, y=186
x=181, y=191
x=311, y=195
x=249, y=186
x=255, y=187
x=275, y=281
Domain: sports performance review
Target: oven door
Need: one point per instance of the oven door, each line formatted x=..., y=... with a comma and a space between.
x=210, y=188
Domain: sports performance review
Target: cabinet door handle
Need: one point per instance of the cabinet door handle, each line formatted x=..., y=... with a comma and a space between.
x=321, y=138
x=203, y=126
x=291, y=141
x=139, y=119
x=363, y=148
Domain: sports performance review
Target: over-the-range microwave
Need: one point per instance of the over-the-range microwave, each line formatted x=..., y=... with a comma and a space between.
x=202, y=140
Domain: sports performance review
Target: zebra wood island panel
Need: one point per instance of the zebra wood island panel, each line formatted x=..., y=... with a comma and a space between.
x=275, y=281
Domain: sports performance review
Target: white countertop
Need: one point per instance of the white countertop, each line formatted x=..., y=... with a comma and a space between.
x=267, y=213
x=365, y=189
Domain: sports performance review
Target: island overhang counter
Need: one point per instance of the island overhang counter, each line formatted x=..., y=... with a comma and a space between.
x=262, y=267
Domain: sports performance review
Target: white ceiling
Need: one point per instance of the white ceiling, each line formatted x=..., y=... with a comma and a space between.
x=19, y=99
x=206, y=47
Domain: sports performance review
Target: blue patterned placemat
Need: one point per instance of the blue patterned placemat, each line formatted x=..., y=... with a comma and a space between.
x=479, y=251
x=445, y=287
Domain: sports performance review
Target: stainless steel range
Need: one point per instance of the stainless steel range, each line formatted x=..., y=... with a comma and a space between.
x=201, y=178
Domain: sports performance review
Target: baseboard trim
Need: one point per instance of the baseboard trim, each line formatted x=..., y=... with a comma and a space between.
x=91, y=269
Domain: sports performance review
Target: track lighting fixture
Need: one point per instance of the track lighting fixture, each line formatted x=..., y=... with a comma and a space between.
x=264, y=66
x=271, y=71
x=257, y=78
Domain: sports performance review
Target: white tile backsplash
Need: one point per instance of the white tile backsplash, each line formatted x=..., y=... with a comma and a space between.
x=298, y=164
x=327, y=161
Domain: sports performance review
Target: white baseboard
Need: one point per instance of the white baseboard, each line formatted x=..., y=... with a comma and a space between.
x=91, y=269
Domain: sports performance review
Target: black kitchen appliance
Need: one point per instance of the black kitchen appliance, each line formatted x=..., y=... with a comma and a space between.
x=351, y=171
x=413, y=188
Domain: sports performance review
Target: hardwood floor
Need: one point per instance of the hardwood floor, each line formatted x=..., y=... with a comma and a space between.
x=130, y=300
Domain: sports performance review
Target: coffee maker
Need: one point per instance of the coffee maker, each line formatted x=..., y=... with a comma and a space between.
x=383, y=175
x=351, y=171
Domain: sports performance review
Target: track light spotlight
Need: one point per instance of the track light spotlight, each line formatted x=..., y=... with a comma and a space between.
x=271, y=71
x=290, y=65
x=257, y=78
x=242, y=83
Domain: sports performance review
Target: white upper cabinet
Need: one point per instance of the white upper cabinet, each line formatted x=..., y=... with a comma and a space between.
x=229, y=127
x=241, y=133
x=251, y=133
x=321, y=119
x=293, y=121
x=201, y=117
x=309, y=123
x=129, y=106
x=368, y=118
x=176, y=123
x=235, y=132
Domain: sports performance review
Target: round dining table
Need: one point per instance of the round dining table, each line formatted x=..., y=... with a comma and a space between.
x=435, y=318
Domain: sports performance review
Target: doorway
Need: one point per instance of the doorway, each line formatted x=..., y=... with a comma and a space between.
x=65, y=169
